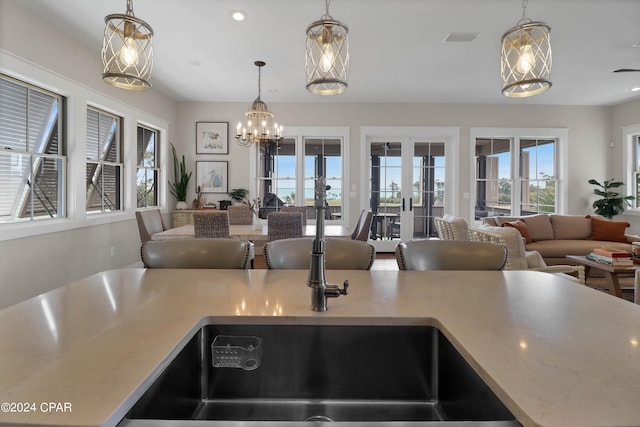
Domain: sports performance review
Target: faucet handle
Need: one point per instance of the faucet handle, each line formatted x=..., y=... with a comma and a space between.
x=334, y=291
x=345, y=286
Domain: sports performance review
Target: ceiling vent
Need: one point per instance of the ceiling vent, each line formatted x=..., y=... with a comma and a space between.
x=461, y=37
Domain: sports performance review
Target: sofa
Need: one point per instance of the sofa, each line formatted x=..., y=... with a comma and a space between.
x=555, y=236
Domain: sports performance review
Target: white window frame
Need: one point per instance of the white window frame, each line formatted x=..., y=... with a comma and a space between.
x=561, y=135
x=631, y=139
x=78, y=96
x=155, y=168
x=102, y=162
x=38, y=157
x=449, y=135
x=300, y=134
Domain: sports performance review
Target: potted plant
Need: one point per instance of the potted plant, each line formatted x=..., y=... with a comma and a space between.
x=612, y=202
x=178, y=188
x=238, y=194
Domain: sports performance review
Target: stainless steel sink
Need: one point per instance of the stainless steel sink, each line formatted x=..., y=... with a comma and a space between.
x=293, y=374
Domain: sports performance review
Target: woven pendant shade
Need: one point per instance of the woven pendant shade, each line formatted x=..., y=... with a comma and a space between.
x=526, y=60
x=327, y=59
x=127, y=52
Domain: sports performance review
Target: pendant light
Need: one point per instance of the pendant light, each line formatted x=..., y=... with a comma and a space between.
x=127, y=53
x=258, y=126
x=526, y=58
x=327, y=59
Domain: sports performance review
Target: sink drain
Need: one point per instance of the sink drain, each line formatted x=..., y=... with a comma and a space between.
x=320, y=418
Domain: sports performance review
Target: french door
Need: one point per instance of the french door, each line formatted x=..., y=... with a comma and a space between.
x=407, y=187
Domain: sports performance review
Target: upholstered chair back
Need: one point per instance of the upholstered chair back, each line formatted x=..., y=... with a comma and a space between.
x=195, y=253
x=363, y=226
x=450, y=255
x=149, y=222
x=340, y=254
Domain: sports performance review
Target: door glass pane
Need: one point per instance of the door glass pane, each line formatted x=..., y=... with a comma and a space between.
x=493, y=177
x=323, y=157
x=276, y=175
x=428, y=187
x=385, y=189
x=537, y=165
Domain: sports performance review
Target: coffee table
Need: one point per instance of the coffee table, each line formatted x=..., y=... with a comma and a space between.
x=611, y=272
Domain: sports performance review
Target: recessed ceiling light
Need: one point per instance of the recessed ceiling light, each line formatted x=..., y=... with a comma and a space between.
x=635, y=89
x=238, y=15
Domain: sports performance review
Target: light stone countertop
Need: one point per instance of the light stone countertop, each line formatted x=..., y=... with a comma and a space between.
x=555, y=352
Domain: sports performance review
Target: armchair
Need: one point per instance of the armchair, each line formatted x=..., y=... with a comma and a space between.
x=520, y=259
x=450, y=227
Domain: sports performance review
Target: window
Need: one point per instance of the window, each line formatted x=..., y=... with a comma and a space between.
x=323, y=158
x=32, y=153
x=104, y=162
x=288, y=170
x=148, y=167
x=517, y=175
x=631, y=165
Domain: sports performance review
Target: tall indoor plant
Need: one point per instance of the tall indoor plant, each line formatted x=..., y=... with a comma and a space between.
x=180, y=180
x=612, y=202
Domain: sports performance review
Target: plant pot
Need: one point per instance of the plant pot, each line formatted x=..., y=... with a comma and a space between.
x=181, y=205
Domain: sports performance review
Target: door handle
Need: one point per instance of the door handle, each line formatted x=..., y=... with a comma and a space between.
x=410, y=203
x=403, y=204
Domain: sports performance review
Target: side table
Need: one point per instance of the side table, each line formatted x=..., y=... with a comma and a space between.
x=611, y=272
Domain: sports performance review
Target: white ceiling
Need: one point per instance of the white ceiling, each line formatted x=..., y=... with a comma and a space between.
x=397, y=51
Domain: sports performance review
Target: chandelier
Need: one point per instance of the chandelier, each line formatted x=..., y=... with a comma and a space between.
x=327, y=60
x=526, y=58
x=258, y=126
x=127, y=53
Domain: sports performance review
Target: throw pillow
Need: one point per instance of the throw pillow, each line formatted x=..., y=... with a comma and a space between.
x=612, y=231
x=521, y=227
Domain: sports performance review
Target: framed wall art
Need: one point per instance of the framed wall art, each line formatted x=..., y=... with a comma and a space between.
x=212, y=177
x=212, y=138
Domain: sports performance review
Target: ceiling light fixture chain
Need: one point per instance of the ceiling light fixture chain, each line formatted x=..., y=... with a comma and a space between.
x=524, y=18
x=526, y=58
x=127, y=51
x=326, y=14
x=258, y=127
x=130, y=8
x=327, y=55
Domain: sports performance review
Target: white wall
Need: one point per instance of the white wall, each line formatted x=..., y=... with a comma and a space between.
x=589, y=134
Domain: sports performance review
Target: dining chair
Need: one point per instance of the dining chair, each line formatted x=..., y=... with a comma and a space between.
x=211, y=224
x=195, y=253
x=284, y=225
x=340, y=254
x=301, y=209
x=424, y=255
x=363, y=226
x=216, y=225
x=240, y=215
x=149, y=222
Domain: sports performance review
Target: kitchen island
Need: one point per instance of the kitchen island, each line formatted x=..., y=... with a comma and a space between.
x=556, y=353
